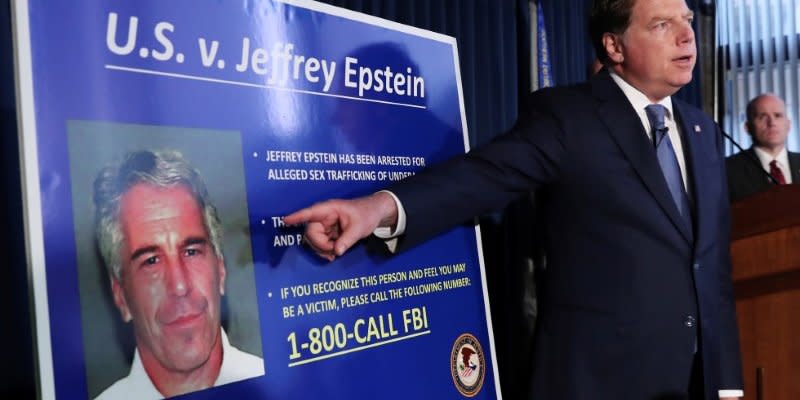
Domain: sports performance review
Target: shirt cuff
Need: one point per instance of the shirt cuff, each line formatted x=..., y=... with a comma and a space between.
x=731, y=393
x=388, y=234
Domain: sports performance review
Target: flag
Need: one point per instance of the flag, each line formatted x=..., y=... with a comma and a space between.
x=542, y=56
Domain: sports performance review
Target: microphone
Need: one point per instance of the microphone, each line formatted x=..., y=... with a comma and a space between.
x=751, y=157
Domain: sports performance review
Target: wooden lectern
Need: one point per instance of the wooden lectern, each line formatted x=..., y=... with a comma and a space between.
x=765, y=250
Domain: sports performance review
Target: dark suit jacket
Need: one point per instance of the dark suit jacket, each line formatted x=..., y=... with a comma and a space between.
x=746, y=176
x=630, y=286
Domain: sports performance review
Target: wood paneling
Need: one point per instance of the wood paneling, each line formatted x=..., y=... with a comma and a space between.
x=766, y=274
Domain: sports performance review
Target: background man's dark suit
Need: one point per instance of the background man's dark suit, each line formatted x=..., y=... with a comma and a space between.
x=628, y=281
x=746, y=176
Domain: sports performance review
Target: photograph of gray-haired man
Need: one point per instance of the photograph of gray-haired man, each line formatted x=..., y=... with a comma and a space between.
x=160, y=239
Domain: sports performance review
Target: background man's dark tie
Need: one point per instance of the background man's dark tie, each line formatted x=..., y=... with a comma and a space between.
x=776, y=172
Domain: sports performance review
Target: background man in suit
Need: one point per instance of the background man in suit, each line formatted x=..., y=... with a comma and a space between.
x=637, y=301
x=768, y=126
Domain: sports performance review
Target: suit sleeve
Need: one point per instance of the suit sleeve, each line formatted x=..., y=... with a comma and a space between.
x=485, y=179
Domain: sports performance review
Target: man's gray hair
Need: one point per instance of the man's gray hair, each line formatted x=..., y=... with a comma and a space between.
x=166, y=169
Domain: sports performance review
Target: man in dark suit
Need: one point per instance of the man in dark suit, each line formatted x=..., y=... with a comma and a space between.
x=768, y=126
x=636, y=300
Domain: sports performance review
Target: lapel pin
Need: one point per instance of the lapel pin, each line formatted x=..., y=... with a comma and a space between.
x=697, y=128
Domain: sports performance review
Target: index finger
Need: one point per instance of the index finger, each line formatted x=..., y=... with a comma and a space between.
x=324, y=213
x=298, y=217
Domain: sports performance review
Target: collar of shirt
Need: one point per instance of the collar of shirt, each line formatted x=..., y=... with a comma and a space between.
x=639, y=101
x=782, y=158
x=139, y=379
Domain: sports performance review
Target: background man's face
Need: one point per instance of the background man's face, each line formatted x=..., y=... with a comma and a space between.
x=769, y=126
x=658, y=47
x=171, y=279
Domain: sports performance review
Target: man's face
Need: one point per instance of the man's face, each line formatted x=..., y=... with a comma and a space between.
x=171, y=279
x=769, y=125
x=657, y=53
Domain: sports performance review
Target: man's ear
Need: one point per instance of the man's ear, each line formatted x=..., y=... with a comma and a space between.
x=222, y=275
x=119, y=300
x=613, y=45
x=748, y=128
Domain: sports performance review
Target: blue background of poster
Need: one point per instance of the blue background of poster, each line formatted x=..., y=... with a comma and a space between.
x=72, y=82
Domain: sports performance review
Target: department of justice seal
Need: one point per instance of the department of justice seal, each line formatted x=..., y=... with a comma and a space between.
x=467, y=365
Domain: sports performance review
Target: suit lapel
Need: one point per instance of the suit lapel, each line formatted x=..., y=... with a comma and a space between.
x=757, y=172
x=625, y=127
x=694, y=154
x=794, y=166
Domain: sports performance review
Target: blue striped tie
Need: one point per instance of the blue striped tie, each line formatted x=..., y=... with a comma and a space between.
x=666, y=157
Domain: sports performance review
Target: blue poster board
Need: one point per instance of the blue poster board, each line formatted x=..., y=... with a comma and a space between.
x=272, y=106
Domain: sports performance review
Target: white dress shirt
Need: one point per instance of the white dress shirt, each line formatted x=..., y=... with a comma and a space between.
x=639, y=102
x=782, y=161
x=236, y=366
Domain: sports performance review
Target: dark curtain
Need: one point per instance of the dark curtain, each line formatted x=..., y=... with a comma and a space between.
x=494, y=52
x=571, y=50
x=487, y=35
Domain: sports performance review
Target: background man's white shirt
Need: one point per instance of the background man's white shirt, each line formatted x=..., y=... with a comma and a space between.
x=782, y=161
